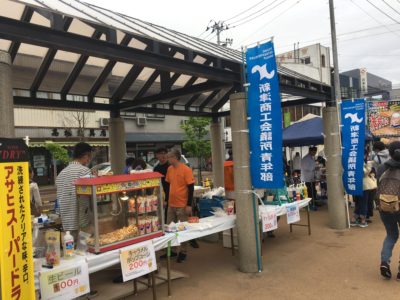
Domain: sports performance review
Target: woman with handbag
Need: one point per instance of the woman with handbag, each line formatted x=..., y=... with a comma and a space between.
x=388, y=197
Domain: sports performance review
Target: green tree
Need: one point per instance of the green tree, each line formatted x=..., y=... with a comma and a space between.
x=57, y=152
x=196, y=130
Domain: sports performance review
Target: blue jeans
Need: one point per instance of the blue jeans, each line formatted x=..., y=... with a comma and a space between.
x=361, y=205
x=391, y=222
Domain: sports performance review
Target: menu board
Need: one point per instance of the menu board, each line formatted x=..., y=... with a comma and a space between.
x=384, y=118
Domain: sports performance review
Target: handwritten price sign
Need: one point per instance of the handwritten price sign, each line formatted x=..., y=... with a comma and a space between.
x=269, y=221
x=138, y=260
x=293, y=213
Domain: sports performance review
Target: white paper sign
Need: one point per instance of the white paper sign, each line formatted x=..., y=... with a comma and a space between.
x=138, y=260
x=269, y=221
x=67, y=282
x=293, y=213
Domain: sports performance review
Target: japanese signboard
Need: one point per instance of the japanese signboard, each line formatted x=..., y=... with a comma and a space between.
x=384, y=118
x=293, y=213
x=67, y=282
x=265, y=117
x=118, y=186
x=16, y=257
x=138, y=260
x=269, y=221
x=353, y=140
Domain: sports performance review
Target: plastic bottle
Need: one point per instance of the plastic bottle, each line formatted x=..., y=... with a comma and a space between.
x=68, y=245
x=305, y=191
x=298, y=194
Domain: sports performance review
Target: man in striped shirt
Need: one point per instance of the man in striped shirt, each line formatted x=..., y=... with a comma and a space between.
x=66, y=193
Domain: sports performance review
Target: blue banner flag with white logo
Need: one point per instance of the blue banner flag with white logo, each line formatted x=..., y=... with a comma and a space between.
x=265, y=117
x=353, y=140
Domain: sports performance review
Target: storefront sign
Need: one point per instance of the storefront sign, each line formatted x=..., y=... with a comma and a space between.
x=67, y=282
x=119, y=186
x=138, y=260
x=293, y=213
x=353, y=140
x=269, y=221
x=384, y=118
x=265, y=124
x=16, y=257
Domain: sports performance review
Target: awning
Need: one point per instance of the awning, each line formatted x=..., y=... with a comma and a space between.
x=70, y=144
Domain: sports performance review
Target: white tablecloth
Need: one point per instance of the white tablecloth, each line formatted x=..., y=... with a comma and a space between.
x=281, y=209
x=102, y=261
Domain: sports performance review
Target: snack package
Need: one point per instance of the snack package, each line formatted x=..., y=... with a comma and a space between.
x=154, y=203
x=141, y=205
x=142, y=226
x=148, y=223
x=148, y=203
x=82, y=243
x=53, y=252
x=229, y=207
x=154, y=223
x=132, y=205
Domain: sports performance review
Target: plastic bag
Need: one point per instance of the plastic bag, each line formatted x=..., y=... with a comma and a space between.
x=82, y=245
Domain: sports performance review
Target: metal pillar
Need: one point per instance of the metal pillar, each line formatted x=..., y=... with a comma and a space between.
x=336, y=200
x=6, y=97
x=217, y=152
x=246, y=225
x=117, y=144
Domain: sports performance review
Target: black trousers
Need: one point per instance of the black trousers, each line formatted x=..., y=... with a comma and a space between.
x=312, y=191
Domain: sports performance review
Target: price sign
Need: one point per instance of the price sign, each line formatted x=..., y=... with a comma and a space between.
x=67, y=282
x=138, y=260
x=293, y=213
x=269, y=221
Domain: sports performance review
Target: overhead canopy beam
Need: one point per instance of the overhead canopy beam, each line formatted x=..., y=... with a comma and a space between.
x=42, y=36
x=223, y=100
x=106, y=71
x=198, y=88
x=208, y=99
x=126, y=83
x=170, y=112
x=14, y=47
x=39, y=102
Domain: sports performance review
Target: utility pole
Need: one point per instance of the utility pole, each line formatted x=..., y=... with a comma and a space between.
x=218, y=27
x=337, y=204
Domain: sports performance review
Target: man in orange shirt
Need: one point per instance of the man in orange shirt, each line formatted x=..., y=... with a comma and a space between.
x=181, y=187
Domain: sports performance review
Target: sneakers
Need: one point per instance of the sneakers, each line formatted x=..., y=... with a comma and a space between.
x=363, y=225
x=353, y=223
x=181, y=257
x=385, y=270
x=164, y=256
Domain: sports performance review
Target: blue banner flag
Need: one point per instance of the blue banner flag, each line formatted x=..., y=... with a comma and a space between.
x=353, y=140
x=265, y=117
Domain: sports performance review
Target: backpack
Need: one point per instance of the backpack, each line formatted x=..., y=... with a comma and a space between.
x=389, y=191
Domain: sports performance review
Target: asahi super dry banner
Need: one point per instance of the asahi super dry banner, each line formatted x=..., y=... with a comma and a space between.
x=16, y=258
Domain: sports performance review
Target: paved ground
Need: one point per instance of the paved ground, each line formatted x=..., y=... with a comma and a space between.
x=328, y=264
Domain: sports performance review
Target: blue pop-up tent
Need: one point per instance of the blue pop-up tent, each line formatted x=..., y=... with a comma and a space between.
x=308, y=132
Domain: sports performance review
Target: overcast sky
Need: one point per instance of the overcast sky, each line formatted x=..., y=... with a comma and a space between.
x=375, y=46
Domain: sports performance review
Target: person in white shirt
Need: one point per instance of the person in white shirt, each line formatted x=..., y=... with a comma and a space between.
x=308, y=166
x=297, y=162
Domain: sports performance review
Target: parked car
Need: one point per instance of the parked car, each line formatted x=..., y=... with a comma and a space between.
x=105, y=168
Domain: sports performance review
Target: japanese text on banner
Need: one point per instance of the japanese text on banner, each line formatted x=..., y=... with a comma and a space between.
x=265, y=124
x=16, y=258
x=353, y=140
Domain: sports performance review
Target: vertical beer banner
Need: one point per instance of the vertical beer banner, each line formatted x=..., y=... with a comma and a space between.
x=265, y=124
x=16, y=257
x=353, y=140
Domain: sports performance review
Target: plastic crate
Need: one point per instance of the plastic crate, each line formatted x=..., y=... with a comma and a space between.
x=206, y=205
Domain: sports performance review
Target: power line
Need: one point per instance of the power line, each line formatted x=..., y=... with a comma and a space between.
x=254, y=13
x=263, y=26
x=383, y=12
x=397, y=12
x=244, y=11
x=379, y=22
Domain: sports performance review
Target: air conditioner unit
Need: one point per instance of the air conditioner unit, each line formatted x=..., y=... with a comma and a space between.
x=141, y=121
x=184, y=122
x=104, y=122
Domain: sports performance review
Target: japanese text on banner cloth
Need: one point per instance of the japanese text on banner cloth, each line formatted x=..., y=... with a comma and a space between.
x=353, y=139
x=265, y=123
x=16, y=260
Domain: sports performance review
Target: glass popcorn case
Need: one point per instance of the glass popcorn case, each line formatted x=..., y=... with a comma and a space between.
x=117, y=211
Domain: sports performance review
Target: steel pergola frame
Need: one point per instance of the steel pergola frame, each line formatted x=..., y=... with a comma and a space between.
x=220, y=77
